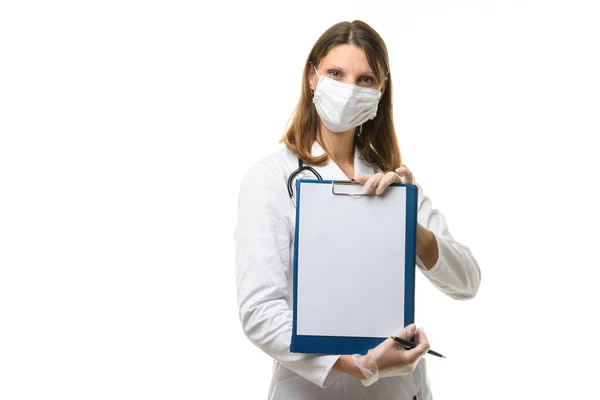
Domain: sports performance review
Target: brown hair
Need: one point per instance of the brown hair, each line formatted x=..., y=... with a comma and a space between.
x=377, y=142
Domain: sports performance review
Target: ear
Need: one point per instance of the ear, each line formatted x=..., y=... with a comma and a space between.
x=311, y=78
x=383, y=87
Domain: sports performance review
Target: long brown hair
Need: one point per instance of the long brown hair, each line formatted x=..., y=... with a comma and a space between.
x=376, y=138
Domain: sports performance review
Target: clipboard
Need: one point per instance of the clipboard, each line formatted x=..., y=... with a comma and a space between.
x=354, y=266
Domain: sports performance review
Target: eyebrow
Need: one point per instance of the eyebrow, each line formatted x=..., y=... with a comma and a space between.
x=342, y=69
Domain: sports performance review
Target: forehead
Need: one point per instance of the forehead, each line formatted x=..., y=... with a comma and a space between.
x=347, y=56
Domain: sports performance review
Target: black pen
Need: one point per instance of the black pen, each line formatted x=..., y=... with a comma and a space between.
x=410, y=345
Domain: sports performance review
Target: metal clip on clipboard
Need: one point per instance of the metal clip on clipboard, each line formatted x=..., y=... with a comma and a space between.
x=333, y=183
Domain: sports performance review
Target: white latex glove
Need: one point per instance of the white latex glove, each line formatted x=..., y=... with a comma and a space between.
x=390, y=359
x=379, y=182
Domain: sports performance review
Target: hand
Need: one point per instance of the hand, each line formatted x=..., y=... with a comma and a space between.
x=380, y=181
x=389, y=359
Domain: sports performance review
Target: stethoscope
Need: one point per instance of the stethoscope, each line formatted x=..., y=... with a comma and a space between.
x=301, y=167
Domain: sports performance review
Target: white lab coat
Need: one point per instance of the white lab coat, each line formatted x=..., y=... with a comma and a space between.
x=264, y=240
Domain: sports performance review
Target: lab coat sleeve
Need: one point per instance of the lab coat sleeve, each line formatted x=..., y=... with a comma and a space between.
x=262, y=241
x=456, y=272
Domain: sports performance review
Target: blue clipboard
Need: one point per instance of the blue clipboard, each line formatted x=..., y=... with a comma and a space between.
x=350, y=344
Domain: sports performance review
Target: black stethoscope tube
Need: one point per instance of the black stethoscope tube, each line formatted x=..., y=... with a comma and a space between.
x=301, y=167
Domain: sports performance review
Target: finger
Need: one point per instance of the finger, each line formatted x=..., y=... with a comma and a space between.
x=405, y=356
x=361, y=178
x=372, y=183
x=404, y=170
x=387, y=180
x=422, y=346
x=408, y=332
x=405, y=174
x=413, y=355
x=406, y=177
x=420, y=336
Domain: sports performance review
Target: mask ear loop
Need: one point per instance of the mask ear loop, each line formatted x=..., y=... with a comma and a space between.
x=317, y=72
x=318, y=81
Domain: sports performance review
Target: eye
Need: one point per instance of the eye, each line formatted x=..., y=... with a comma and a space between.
x=335, y=73
x=367, y=80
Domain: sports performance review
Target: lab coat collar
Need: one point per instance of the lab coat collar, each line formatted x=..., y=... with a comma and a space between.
x=331, y=171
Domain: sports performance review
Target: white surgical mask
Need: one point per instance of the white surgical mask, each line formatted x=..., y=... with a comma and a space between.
x=343, y=106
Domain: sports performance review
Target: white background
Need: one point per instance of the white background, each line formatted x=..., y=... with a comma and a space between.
x=126, y=127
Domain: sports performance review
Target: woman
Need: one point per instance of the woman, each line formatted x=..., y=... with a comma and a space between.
x=343, y=128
